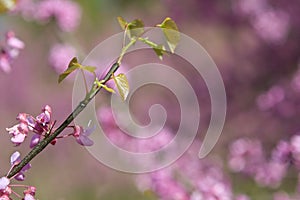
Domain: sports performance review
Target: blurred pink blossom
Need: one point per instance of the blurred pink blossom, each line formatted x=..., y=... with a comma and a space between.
x=9, y=51
x=66, y=13
x=272, y=97
x=270, y=174
x=5, y=64
x=249, y=7
x=272, y=26
x=282, y=152
x=14, y=42
x=295, y=83
x=245, y=155
x=59, y=57
x=26, y=8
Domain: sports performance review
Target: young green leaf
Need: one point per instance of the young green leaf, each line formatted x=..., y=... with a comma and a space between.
x=171, y=33
x=122, y=85
x=123, y=23
x=135, y=28
x=73, y=65
x=159, y=49
x=89, y=68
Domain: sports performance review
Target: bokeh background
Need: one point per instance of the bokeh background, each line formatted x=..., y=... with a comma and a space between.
x=255, y=45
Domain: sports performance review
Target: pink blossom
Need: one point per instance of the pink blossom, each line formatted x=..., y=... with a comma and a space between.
x=5, y=197
x=45, y=117
x=14, y=42
x=245, y=155
x=250, y=7
x=270, y=174
x=60, y=56
x=295, y=149
x=5, y=193
x=29, y=193
x=26, y=8
x=39, y=125
x=4, y=182
x=15, y=159
x=29, y=197
x=10, y=51
x=282, y=152
x=18, y=132
x=189, y=179
x=5, y=64
x=272, y=26
x=82, y=135
x=66, y=13
x=35, y=140
x=271, y=98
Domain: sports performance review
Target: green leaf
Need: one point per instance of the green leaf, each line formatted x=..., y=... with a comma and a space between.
x=122, y=85
x=135, y=28
x=73, y=65
x=171, y=33
x=159, y=49
x=7, y=5
x=89, y=68
x=123, y=23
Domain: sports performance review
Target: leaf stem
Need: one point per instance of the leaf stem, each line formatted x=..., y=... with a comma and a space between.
x=47, y=140
x=124, y=49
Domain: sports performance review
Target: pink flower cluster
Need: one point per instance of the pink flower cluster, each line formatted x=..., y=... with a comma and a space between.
x=270, y=24
x=39, y=125
x=246, y=156
x=189, y=179
x=82, y=135
x=128, y=142
x=42, y=126
x=282, y=98
x=9, y=51
x=270, y=98
x=66, y=13
x=60, y=56
x=5, y=187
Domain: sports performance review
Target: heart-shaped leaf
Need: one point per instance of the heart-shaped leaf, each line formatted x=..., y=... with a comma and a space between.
x=123, y=23
x=171, y=33
x=73, y=65
x=135, y=28
x=122, y=85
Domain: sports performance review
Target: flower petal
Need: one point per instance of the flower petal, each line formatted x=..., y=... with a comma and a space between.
x=4, y=182
x=84, y=141
x=15, y=158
